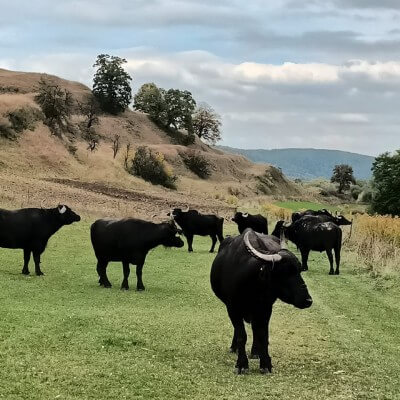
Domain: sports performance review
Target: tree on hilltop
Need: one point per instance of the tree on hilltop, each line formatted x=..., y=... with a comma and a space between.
x=111, y=84
x=207, y=123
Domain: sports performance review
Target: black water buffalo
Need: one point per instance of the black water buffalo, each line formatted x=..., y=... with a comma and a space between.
x=256, y=222
x=193, y=223
x=129, y=240
x=324, y=215
x=310, y=233
x=31, y=228
x=299, y=214
x=248, y=274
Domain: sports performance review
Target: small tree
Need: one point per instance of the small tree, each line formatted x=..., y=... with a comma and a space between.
x=127, y=155
x=90, y=110
x=115, y=145
x=386, y=183
x=207, y=123
x=56, y=104
x=111, y=84
x=343, y=175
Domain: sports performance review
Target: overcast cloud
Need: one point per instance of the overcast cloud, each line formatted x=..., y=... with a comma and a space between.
x=287, y=73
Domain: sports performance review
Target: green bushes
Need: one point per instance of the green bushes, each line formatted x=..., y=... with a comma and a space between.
x=197, y=164
x=152, y=168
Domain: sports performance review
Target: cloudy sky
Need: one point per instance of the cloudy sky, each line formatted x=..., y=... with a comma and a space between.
x=281, y=73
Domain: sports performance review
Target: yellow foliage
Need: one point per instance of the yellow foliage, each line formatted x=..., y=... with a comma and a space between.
x=278, y=212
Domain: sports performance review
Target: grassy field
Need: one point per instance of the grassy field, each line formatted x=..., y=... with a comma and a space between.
x=304, y=205
x=63, y=337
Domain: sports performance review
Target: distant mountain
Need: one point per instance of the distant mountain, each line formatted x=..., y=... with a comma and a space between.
x=308, y=163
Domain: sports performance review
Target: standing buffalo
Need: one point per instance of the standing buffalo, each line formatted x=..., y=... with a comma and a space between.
x=193, y=223
x=248, y=274
x=256, y=222
x=129, y=240
x=311, y=233
x=31, y=228
x=324, y=215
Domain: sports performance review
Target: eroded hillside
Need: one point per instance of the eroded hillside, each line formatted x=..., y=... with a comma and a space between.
x=39, y=168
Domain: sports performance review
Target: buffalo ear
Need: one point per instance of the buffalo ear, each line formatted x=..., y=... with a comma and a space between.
x=62, y=209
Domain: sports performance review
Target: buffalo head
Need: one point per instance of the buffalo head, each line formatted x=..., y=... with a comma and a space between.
x=284, y=273
x=65, y=215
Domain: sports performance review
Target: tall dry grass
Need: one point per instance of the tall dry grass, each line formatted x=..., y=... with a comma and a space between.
x=376, y=242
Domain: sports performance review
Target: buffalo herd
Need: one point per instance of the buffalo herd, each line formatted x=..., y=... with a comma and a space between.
x=250, y=272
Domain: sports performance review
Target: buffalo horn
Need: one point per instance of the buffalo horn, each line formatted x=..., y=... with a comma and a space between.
x=187, y=208
x=283, y=240
x=245, y=215
x=255, y=253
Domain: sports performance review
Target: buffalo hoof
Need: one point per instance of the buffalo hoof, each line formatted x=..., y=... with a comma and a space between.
x=40, y=273
x=241, y=371
x=25, y=272
x=211, y=251
x=336, y=272
x=107, y=285
x=265, y=370
x=254, y=356
x=304, y=268
x=140, y=289
x=331, y=272
x=124, y=287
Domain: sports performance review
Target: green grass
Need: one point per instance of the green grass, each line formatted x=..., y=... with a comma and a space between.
x=62, y=336
x=306, y=205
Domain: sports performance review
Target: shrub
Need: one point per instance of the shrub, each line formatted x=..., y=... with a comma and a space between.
x=151, y=167
x=5, y=129
x=24, y=118
x=197, y=164
x=56, y=104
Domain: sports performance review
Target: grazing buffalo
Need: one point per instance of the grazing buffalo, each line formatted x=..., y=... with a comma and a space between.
x=248, y=274
x=299, y=214
x=129, y=240
x=324, y=215
x=310, y=233
x=193, y=223
x=256, y=222
x=31, y=228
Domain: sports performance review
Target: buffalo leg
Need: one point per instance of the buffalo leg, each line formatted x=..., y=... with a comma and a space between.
x=127, y=270
x=260, y=337
x=139, y=285
x=102, y=272
x=233, y=348
x=242, y=363
x=190, y=242
x=304, y=259
x=36, y=259
x=337, y=258
x=330, y=257
x=214, y=241
x=27, y=257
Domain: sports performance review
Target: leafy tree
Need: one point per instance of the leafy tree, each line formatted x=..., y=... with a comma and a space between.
x=386, y=182
x=180, y=106
x=111, y=84
x=56, y=104
x=207, y=123
x=343, y=175
x=150, y=99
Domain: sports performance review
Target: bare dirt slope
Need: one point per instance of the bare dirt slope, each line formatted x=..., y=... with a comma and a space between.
x=38, y=168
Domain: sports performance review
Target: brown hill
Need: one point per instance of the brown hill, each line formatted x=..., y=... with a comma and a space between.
x=38, y=168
